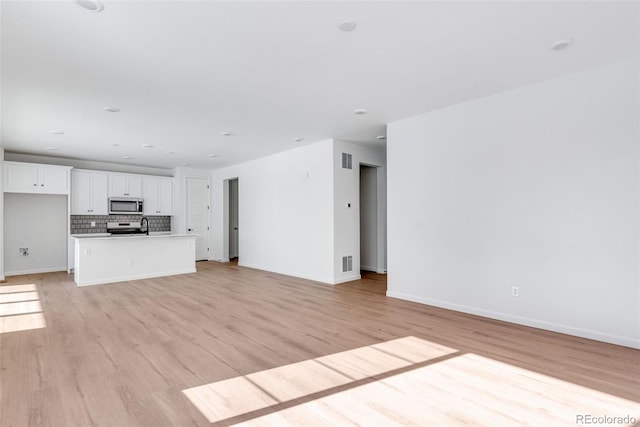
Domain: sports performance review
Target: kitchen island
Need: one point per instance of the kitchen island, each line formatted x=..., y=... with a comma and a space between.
x=108, y=259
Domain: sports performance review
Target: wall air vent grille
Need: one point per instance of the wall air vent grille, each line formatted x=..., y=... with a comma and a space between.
x=346, y=161
x=347, y=263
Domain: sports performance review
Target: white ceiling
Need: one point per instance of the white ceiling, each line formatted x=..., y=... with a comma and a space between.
x=183, y=72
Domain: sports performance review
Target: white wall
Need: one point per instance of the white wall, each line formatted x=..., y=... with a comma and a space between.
x=38, y=222
x=285, y=212
x=347, y=220
x=368, y=219
x=536, y=188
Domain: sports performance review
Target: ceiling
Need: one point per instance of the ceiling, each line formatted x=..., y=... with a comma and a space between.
x=183, y=72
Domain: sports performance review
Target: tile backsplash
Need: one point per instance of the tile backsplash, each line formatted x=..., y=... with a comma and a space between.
x=81, y=224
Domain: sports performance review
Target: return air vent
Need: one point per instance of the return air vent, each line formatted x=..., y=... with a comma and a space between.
x=347, y=263
x=346, y=161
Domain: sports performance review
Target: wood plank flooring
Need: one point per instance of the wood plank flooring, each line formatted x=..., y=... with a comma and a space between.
x=124, y=355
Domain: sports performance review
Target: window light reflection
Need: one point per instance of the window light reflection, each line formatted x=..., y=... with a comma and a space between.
x=20, y=308
x=240, y=395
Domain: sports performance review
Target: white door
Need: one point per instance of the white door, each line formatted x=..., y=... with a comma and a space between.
x=233, y=219
x=198, y=215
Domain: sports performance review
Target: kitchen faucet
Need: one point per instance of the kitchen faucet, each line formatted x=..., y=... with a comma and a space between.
x=144, y=220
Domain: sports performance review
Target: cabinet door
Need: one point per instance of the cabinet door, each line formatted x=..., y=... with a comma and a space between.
x=80, y=193
x=20, y=178
x=134, y=186
x=165, y=197
x=117, y=185
x=122, y=185
x=52, y=180
x=150, y=195
x=88, y=193
x=99, y=195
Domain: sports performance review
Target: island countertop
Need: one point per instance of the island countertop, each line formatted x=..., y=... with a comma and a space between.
x=104, y=258
x=102, y=236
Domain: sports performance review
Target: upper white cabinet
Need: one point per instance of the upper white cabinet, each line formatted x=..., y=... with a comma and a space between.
x=158, y=196
x=125, y=185
x=88, y=193
x=36, y=178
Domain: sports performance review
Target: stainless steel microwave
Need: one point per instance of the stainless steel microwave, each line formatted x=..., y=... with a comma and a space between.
x=125, y=206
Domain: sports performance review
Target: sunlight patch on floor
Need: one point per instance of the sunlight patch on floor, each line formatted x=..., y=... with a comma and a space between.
x=241, y=395
x=7, y=289
x=461, y=391
x=20, y=308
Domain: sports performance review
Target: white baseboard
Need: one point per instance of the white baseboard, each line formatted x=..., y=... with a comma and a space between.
x=220, y=259
x=287, y=273
x=368, y=268
x=347, y=279
x=35, y=271
x=382, y=271
x=549, y=326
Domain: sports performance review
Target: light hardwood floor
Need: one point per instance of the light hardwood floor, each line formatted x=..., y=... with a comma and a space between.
x=275, y=350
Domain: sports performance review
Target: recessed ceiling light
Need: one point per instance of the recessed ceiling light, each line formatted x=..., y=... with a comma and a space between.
x=91, y=5
x=57, y=132
x=381, y=137
x=111, y=109
x=147, y=145
x=52, y=149
x=225, y=133
x=213, y=155
x=360, y=111
x=297, y=139
x=562, y=44
x=347, y=25
x=186, y=164
x=127, y=157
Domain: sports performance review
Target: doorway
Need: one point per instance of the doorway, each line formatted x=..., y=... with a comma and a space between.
x=198, y=213
x=368, y=218
x=234, y=250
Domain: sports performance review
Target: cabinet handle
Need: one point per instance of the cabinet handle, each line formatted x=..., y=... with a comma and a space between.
x=35, y=185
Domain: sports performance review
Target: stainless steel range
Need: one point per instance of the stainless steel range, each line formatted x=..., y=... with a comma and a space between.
x=128, y=227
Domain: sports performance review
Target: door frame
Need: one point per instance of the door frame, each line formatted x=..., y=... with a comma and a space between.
x=237, y=212
x=225, y=218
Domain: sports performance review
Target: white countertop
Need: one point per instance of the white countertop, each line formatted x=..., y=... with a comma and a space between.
x=106, y=236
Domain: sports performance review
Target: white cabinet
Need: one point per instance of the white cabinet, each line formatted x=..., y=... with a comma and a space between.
x=88, y=193
x=125, y=185
x=36, y=178
x=158, y=196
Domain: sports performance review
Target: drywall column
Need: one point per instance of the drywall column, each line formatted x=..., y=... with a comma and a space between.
x=536, y=188
x=346, y=189
x=2, y=213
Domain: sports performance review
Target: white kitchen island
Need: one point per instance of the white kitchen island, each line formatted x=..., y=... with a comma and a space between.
x=108, y=259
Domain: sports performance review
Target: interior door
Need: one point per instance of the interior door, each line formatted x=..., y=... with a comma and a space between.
x=198, y=214
x=233, y=219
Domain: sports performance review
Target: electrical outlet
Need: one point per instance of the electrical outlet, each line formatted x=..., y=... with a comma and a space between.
x=130, y=262
x=515, y=291
x=23, y=252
